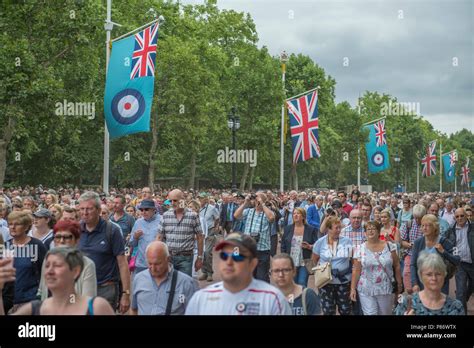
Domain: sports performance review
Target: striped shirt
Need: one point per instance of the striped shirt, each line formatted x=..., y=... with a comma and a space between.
x=179, y=235
x=413, y=234
x=357, y=236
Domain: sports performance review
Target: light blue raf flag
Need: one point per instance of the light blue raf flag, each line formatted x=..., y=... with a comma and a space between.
x=376, y=147
x=130, y=82
x=449, y=162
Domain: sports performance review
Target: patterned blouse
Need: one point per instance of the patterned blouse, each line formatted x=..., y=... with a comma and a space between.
x=451, y=307
x=377, y=270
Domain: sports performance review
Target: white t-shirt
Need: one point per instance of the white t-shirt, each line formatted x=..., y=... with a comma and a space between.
x=259, y=298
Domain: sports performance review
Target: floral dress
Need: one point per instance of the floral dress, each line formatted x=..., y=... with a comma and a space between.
x=377, y=270
x=296, y=251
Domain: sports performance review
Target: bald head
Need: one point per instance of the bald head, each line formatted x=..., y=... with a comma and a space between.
x=158, y=259
x=461, y=217
x=175, y=196
x=157, y=248
x=356, y=218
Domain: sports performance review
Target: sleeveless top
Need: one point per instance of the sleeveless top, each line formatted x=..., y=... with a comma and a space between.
x=36, y=306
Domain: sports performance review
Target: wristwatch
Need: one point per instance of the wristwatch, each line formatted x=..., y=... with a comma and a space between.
x=200, y=257
x=126, y=292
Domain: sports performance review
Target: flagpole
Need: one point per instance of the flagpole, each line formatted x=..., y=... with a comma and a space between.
x=358, y=151
x=108, y=28
x=417, y=175
x=440, y=168
x=455, y=181
x=305, y=92
x=160, y=19
x=283, y=60
x=370, y=122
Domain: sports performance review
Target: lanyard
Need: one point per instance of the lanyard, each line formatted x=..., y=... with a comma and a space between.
x=205, y=210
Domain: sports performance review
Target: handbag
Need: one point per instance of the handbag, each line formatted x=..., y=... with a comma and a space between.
x=322, y=275
x=323, y=272
x=132, y=264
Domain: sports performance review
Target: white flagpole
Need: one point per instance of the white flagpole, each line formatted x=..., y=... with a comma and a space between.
x=418, y=175
x=283, y=60
x=108, y=28
x=440, y=168
x=358, y=152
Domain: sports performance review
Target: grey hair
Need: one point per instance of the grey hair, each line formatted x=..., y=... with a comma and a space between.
x=72, y=256
x=419, y=211
x=430, y=261
x=89, y=196
x=320, y=197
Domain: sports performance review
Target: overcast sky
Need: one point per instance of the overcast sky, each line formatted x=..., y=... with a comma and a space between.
x=402, y=48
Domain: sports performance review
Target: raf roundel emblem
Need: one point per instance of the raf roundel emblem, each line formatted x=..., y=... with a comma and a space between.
x=128, y=106
x=240, y=307
x=378, y=158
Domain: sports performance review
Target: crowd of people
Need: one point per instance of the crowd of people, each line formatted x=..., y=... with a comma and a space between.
x=145, y=252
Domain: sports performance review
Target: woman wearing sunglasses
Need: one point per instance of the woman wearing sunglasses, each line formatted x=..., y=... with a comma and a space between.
x=67, y=234
x=63, y=269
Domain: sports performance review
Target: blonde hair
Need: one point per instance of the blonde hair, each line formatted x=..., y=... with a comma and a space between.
x=431, y=219
x=332, y=220
x=22, y=217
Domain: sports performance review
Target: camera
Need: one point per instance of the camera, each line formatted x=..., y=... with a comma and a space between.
x=330, y=211
x=255, y=236
x=253, y=196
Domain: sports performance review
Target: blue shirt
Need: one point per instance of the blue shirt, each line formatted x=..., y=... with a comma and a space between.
x=151, y=299
x=125, y=222
x=28, y=260
x=150, y=231
x=341, y=259
x=102, y=251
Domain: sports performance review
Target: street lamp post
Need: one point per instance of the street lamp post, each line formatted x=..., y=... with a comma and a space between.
x=283, y=61
x=233, y=122
x=397, y=160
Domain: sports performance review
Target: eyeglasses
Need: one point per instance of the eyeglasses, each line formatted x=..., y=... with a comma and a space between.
x=284, y=271
x=236, y=257
x=64, y=237
x=459, y=216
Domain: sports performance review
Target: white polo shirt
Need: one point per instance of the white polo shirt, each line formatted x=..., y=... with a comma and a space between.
x=259, y=298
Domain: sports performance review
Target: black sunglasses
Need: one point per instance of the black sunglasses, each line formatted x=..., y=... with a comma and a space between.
x=235, y=256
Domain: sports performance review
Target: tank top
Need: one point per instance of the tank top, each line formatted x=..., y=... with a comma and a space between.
x=36, y=307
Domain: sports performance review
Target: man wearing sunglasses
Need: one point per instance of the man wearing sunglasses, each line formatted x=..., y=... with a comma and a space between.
x=239, y=293
x=343, y=198
x=144, y=231
x=462, y=237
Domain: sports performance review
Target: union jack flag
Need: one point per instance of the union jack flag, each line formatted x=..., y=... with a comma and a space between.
x=429, y=161
x=304, y=126
x=380, y=133
x=465, y=171
x=144, y=54
x=453, y=158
